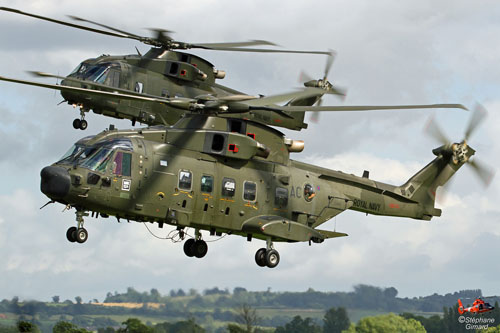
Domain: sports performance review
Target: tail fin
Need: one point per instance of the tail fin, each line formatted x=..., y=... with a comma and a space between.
x=460, y=307
x=423, y=185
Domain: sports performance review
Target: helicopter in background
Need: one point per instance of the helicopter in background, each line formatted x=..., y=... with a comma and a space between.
x=157, y=88
x=478, y=307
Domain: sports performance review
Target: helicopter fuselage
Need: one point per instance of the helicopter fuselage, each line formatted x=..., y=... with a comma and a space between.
x=212, y=173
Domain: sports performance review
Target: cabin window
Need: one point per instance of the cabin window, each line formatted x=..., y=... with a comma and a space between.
x=185, y=180
x=309, y=193
x=174, y=68
x=228, y=187
x=249, y=191
x=281, y=198
x=122, y=164
x=207, y=183
x=236, y=126
x=139, y=87
x=217, y=142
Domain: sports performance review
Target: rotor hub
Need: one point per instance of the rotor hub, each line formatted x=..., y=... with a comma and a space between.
x=460, y=152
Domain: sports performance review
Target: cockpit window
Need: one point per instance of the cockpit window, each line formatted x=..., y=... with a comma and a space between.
x=99, y=160
x=104, y=73
x=80, y=69
x=77, y=152
x=99, y=75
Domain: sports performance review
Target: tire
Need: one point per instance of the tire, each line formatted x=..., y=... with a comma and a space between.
x=83, y=124
x=260, y=257
x=200, y=248
x=272, y=258
x=188, y=247
x=81, y=235
x=76, y=123
x=70, y=234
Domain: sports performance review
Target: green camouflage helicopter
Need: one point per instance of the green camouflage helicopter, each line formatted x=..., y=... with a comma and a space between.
x=156, y=88
x=222, y=169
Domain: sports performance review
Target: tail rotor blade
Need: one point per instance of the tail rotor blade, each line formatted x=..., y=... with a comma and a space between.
x=435, y=131
x=485, y=173
x=329, y=62
x=478, y=116
x=304, y=77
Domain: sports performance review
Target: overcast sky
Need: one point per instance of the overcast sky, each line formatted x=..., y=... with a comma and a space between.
x=388, y=52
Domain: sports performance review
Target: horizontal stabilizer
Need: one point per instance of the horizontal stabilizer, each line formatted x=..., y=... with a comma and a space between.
x=331, y=234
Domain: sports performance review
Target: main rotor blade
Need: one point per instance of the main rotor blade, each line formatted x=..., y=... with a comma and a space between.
x=273, y=99
x=77, y=26
x=115, y=94
x=369, y=107
x=435, y=131
x=478, y=116
x=484, y=172
x=76, y=18
x=234, y=44
x=242, y=49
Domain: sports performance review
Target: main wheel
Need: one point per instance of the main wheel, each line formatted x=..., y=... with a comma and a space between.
x=81, y=235
x=188, y=247
x=272, y=258
x=83, y=124
x=77, y=123
x=70, y=234
x=200, y=248
x=260, y=257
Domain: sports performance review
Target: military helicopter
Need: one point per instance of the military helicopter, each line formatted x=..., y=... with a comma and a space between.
x=222, y=169
x=102, y=84
x=232, y=176
x=158, y=87
x=478, y=307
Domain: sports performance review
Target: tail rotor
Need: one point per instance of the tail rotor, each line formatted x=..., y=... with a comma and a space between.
x=323, y=83
x=461, y=152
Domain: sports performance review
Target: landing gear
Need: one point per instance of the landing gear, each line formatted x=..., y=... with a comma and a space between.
x=80, y=124
x=267, y=256
x=81, y=235
x=188, y=245
x=78, y=234
x=70, y=234
x=196, y=247
x=260, y=257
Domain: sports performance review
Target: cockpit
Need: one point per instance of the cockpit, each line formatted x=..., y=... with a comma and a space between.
x=99, y=156
x=103, y=73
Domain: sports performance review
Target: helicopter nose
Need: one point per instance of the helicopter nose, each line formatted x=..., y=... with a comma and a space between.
x=55, y=182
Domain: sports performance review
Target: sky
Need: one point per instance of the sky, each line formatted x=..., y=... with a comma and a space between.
x=388, y=52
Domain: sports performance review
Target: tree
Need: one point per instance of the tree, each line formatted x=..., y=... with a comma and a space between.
x=134, y=325
x=336, y=320
x=248, y=317
x=233, y=328
x=391, y=292
x=55, y=299
x=299, y=325
x=78, y=300
x=389, y=323
x=26, y=326
x=65, y=327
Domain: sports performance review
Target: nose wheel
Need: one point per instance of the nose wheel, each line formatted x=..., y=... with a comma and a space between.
x=267, y=256
x=78, y=234
x=80, y=124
